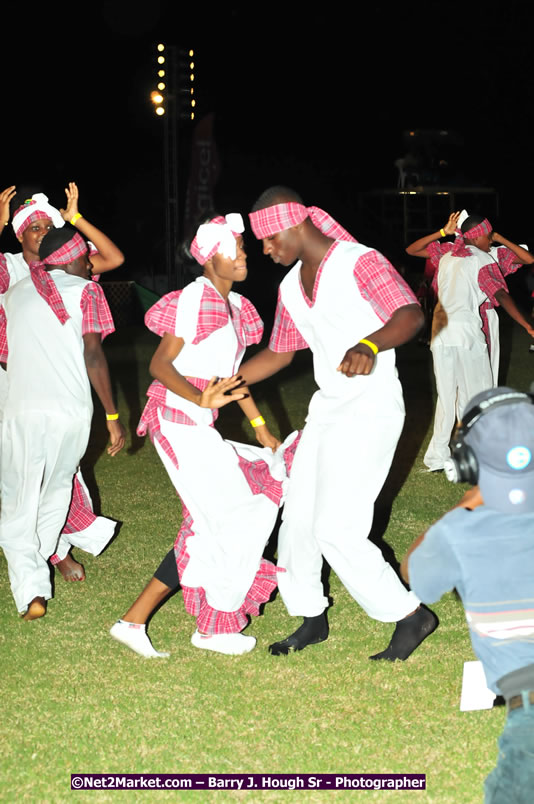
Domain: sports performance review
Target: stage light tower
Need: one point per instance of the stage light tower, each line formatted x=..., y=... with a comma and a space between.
x=186, y=84
x=174, y=102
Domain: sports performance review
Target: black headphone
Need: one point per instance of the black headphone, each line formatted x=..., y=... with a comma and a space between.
x=462, y=466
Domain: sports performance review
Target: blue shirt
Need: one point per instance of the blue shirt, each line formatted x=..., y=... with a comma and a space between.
x=489, y=558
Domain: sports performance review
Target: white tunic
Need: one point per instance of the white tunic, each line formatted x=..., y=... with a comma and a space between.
x=345, y=452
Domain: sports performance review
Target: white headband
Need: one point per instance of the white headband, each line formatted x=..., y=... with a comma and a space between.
x=41, y=205
x=220, y=236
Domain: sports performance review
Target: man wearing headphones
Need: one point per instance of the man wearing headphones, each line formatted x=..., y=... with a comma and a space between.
x=485, y=549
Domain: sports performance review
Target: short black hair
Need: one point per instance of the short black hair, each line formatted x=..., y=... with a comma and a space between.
x=471, y=222
x=276, y=195
x=184, y=249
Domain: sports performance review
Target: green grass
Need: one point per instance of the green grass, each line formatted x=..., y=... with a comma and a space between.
x=76, y=701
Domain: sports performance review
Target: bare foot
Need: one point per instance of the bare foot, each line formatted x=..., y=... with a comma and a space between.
x=71, y=569
x=36, y=609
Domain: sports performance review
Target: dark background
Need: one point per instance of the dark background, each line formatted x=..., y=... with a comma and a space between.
x=317, y=97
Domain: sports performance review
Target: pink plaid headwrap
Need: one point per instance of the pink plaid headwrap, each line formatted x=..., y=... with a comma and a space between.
x=277, y=218
x=34, y=209
x=43, y=282
x=459, y=248
x=219, y=234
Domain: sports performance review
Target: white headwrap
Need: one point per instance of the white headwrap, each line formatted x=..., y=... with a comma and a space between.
x=218, y=235
x=37, y=203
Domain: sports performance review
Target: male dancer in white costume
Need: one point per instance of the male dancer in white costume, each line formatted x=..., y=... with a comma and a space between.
x=31, y=223
x=347, y=304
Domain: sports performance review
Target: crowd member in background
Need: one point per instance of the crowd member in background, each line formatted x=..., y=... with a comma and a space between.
x=485, y=550
x=31, y=221
x=56, y=319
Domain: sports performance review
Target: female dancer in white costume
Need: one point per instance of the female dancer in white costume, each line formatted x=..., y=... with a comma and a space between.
x=231, y=492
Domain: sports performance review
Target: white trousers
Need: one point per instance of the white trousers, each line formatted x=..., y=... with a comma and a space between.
x=460, y=374
x=337, y=474
x=495, y=344
x=231, y=524
x=40, y=456
x=92, y=538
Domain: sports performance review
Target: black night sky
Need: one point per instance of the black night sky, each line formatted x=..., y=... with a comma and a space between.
x=314, y=97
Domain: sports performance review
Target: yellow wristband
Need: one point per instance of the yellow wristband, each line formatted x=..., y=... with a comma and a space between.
x=76, y=218
x=258, y=421
x=372, y=346
x=443, y=233
x=112, y=417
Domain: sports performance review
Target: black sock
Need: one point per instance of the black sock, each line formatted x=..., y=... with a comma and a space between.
x=408, y=634
x=312, y=631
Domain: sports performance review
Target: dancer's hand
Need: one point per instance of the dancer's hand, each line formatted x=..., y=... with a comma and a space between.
x=72, y=202
x=451, y=225
x=5, y=197
x=117, y=437
x=220, y=392
x=266, y=438
x=360, y=359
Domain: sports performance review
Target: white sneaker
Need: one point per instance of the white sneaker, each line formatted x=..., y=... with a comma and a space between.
x=136, y=638
x=231, y=644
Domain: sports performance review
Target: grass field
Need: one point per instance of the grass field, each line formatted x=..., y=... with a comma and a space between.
x=76, y=701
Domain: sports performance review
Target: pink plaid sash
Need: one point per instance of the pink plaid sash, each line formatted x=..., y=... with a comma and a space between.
x=277, y=218
x=460, y=249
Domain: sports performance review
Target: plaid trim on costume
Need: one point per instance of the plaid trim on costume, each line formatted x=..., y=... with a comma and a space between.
x=37, y=215
x=70, y=251
x=259, y=478
x=213, y=315
x=95, y=309
x=47, y=290
x=271, y=220
x=508, y=262
x=210, y=620
x=436, y=251
x=249, y=320
x=381, y=285
x=157, y=404
x=43, y=282
x=490, y=281
x=4, y=274
x=81, y=515
x=3, y=336
x=459, y=248
x=378, y=283
x=285, y=337
x=35, y=208
x=161, y=317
